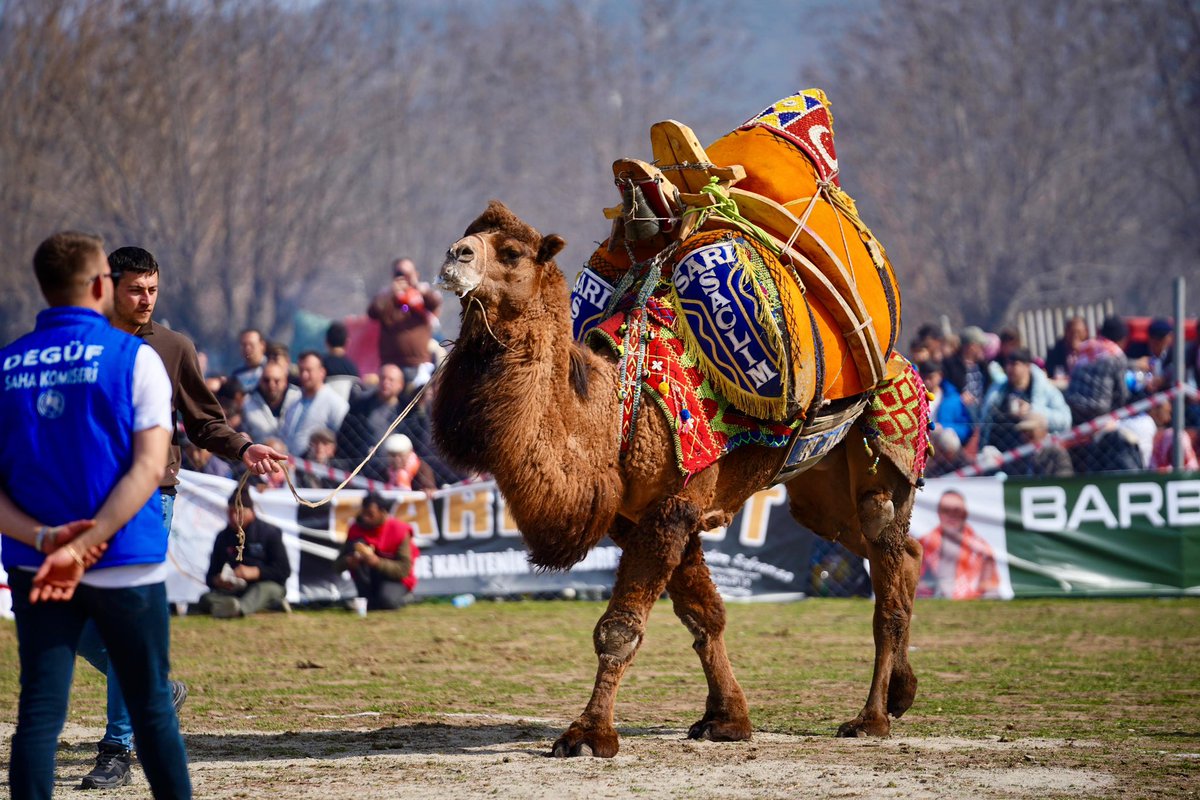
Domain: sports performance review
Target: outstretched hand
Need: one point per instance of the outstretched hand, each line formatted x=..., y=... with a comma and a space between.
x=262, y=459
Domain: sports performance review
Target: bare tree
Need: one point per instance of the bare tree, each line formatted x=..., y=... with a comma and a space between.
x=275, y=156
x=265, y=152
x=1007, y=149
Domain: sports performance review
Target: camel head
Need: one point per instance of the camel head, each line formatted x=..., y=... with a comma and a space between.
x=501, y=261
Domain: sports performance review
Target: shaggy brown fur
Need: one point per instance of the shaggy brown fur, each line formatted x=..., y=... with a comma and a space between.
x=520, y=399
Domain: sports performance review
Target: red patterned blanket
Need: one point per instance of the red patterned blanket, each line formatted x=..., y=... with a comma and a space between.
x=898, y=420
x=704, y=425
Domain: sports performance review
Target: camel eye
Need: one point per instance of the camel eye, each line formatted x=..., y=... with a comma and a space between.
x=510, y=254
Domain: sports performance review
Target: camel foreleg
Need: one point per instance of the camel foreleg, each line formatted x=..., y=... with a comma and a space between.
x=700, y=608
x=652, y=551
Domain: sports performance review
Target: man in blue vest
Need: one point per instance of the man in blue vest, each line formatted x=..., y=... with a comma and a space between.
x=85, y=423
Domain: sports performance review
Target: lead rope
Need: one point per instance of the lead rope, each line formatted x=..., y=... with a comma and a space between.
x=237, y=498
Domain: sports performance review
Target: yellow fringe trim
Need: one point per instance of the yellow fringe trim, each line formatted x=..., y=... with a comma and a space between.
x=755, y=405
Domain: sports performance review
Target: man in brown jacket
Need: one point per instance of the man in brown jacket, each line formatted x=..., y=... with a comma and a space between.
x=135, y=278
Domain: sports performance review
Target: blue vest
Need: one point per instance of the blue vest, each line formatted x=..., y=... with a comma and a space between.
x=66, y=431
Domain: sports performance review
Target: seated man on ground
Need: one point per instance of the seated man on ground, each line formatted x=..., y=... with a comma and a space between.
x=240, y=588
x=379, y=553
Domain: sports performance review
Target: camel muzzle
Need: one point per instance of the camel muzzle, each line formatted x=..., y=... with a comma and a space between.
x=462, y=271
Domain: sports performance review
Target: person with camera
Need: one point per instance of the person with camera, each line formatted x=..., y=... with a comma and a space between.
x=407, y=314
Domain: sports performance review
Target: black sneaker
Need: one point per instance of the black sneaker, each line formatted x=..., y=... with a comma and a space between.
x=179, y=694
x=111, y=770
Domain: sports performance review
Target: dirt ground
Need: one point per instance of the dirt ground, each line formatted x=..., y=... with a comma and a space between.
x=1037, y=700
x=497, y=756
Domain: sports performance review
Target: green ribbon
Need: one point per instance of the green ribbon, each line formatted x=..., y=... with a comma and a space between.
x=726, y=208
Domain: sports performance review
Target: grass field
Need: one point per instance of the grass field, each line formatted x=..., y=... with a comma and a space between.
x=1103, y=691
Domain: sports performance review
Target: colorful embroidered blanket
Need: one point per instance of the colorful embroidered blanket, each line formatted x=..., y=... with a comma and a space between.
x=732, y=321
x=704, y=424
x=804, y=120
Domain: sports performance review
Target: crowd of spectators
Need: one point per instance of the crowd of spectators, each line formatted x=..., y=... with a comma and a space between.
x=320, y=410
x=990, y=395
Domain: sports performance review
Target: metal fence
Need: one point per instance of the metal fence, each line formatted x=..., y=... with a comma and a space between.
x=1041, y=327
x=1139, y=436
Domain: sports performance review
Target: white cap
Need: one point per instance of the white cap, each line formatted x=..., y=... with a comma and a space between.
x=398, y=443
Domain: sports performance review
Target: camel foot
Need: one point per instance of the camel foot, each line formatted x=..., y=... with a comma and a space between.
x=580, y=741
x=715, y=729
x=902, y=690
x=859, y=728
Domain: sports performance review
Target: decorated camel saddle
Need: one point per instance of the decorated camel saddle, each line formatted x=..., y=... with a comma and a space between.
x=747, y=300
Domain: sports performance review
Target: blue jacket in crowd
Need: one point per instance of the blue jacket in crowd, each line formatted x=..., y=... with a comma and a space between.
x=1044, y=398
x=953, y=414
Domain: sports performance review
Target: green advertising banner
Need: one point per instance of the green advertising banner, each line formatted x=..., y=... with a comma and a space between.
x=1103, y=535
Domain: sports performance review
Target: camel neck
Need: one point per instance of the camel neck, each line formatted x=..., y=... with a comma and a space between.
x=509, y=406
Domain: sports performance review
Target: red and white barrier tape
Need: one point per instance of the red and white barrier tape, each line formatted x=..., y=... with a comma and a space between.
x=326, y=471
x=1081, y=431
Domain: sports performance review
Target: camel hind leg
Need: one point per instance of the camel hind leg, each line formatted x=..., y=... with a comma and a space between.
x=700, y=608
x=895, y=568
x=869, y=514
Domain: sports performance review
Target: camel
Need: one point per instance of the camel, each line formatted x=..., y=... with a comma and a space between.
x=520, y=399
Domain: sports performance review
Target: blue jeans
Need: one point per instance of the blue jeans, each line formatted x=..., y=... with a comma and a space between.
x=135, y=624
x=91, y=646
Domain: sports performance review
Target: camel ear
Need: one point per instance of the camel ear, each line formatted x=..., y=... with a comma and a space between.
x=551, y=246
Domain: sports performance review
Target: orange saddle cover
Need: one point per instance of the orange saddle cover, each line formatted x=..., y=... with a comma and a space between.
x=789, y=158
